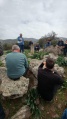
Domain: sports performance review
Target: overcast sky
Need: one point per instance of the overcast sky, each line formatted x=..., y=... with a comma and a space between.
x=32, y=18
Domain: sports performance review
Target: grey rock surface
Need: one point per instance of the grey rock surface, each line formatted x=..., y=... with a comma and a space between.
x=10, y=88
x=23, y=113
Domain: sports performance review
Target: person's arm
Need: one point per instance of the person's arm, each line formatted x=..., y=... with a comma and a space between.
x=23, y=40
x=18, y=39
x=41, y=65
x=58, y=79
x=26, y=62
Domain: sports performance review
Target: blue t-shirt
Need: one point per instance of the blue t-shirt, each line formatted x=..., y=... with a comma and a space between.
x=20, y=40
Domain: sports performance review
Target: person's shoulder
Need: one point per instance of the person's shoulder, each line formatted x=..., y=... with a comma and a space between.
x=22, y=54
x=9, y=54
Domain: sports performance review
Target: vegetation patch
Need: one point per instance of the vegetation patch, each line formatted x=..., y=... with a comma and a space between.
x=38, y=55
x=1, y=64
x=61, y=61
x=33, y=103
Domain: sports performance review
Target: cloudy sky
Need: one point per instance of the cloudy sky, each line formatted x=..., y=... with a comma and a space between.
x=32, y=18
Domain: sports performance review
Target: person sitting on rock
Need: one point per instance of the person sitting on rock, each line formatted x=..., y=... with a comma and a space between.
x=60, y=46
x=37, y=47
x=16, y=63
x=65, y=48
x=48, y=43
x=48, y=80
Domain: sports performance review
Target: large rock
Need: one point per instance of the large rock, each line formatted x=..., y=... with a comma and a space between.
x=55, y=50
x=34, y=64
x=13, y=89
x=2, y=59
x=59, y=69
x=23, y=113
x=51, y=55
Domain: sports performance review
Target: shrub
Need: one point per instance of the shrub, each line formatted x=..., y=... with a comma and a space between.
x=32, y=102
x=61, y=61
x=1, y=64
x=7, y=46
x=39, y=55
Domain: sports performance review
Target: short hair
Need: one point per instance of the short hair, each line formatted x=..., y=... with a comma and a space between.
x=15, y=47
x=49, y=63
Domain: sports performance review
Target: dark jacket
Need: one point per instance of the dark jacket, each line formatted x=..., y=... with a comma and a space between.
x=65, y=46
x=48, y=83
x=60, y=43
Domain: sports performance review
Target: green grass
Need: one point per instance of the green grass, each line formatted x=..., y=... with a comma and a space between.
x=1, y=64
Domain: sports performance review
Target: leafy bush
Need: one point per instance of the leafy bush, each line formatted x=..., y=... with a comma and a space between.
x=61, y=61
x=7, y=46
x=26, y=44
x=8, y=51
x=32, y=98
x=64, y=85
x=54, y=42
x=38, y=55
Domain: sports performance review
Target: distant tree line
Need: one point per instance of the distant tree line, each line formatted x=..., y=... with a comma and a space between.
x=8, y=46
x=51, y=36
x=42, y=41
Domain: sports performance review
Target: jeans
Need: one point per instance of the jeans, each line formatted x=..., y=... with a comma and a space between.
x=65, y=51
x=2, y=114
x=21, y=48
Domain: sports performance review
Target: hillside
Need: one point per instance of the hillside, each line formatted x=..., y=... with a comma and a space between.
x=15, y=40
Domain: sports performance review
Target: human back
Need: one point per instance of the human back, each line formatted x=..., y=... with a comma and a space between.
x=16, y=64
x=48, y=80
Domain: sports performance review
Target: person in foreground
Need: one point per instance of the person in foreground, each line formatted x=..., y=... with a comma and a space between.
x=2, y=114
x=16, y=63
x=64, y=115
x=48, y=80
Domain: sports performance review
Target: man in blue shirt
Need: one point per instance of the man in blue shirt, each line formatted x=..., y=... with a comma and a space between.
x=21, y=43
x=16, y=63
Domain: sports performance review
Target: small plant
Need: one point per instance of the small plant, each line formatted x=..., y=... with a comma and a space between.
x=33, y=102
x=64, y=85
x=8, y=51
x=38, y=55
x=1, y=64
x=61, y=61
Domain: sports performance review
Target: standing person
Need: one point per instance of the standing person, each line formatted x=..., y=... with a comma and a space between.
x=48, y=80
x=30, y=43
x=16, y=63
x=21, y=43
x=65, y=48
x=60, y=45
